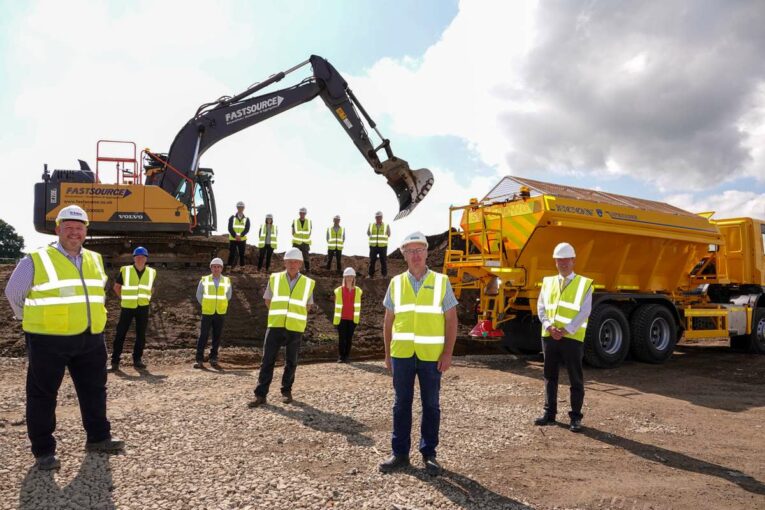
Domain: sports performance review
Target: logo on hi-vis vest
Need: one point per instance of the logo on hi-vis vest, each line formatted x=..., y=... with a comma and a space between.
x=253, y=109
x=98, y=192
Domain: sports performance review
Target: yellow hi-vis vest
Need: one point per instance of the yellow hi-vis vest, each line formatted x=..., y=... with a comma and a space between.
x=339, y=305
x=301, y=235
x=289, y=309
x=418, y=325
x=335, y=241
x=238, y=226
x=378, y=235
x=60, y=297
x=136, y=292
x=262, y=236
x=215, y=300
x=562, y=307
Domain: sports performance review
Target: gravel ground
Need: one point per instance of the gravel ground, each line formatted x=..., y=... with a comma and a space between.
x=193, y=443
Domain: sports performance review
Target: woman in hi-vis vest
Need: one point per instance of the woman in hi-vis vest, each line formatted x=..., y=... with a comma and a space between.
x=347, y=313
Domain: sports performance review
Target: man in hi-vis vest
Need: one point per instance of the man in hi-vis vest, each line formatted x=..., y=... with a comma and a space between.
x=289, y=297
x=213, y=293
x=335, y=242
x=419, y=331
x=378, y=233
x=302, y=228
x=58, y=292
x=133, y=285
x=238, y=228
x=563, y=307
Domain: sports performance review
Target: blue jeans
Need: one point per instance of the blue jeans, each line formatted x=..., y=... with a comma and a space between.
x=404, y=371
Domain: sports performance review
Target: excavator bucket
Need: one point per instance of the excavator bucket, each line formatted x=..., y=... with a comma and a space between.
x=410, y=186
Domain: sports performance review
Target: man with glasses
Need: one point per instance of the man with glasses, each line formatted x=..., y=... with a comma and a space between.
x=419, y=331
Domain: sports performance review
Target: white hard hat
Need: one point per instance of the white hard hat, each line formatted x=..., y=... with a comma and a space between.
x=217, y=261
x=293, y=254
x=240, y=204
x=378, y=214
x=303, y=210
x=72, y=212
x=337, y=217
x=349, y=272
x=564, y=251
x=269, y=216
x=415, y=238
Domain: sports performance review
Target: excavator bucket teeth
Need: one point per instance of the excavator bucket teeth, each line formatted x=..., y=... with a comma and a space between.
x=410, y=186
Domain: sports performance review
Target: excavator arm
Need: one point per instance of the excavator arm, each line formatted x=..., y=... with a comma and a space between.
x=229, y=115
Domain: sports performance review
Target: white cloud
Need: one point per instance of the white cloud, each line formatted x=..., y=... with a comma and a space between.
x=728, y=204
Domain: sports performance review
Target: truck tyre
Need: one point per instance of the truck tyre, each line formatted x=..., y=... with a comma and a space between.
x=757, y=337
x=523, y=335
x=654, y=334
x=607, y=340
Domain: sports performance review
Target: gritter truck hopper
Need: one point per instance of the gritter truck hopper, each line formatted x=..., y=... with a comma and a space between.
x=660, y=273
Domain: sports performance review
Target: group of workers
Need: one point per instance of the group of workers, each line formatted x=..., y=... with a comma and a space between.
x=59, y=293
x=378, y=234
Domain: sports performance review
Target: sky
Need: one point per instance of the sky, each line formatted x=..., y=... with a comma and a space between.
x=657, y=99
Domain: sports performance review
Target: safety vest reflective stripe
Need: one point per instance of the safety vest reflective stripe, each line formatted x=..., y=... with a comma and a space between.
x=301, y=234
x=262, y=236
x=63, y=297
x=238, y=227
x=335, y=241
x=215, y=300
x=378, y=234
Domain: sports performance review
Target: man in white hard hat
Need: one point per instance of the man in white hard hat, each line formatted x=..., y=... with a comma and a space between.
x=58, y=292
x=213, y=293
x=347, y=313
x=335, y=242
x=302, y=228
x=378, y=233
x=289, y=297
x=238, y=227
x=267, y=241
x=563, y=307
x=419, y=332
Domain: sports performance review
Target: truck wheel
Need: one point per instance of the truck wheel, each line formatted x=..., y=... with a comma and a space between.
x=523, y=335
x=607, y=340
x=654, y=334
x=757, y=338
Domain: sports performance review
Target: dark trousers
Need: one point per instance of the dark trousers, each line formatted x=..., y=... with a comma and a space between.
x=382, y=253
x=275, y=339
x=235, y=247
x=85, y=357
x=266, y=252
x=569, y=353
x=345, y=333
x=334, y=253
x=141, y=315
x=214, y=321
x=404, y=372
x=304, y=249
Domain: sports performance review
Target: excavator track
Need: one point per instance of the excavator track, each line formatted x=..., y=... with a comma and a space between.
x=165, y=251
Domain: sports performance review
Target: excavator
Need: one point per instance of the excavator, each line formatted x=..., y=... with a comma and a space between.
x=166, y=201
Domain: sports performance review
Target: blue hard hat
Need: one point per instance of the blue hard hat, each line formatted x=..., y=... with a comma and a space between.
x=141, y=251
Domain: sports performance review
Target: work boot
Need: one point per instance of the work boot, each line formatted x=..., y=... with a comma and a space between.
x=110, y=445
x=198, y=364
x=214, y=363
x=545, y=419
x=393, y=463
x=47, y=463
x=259, y=401
x=576, y=425
x=114, y=367
x=432, y=467
x=287, y=397
x=139, y=364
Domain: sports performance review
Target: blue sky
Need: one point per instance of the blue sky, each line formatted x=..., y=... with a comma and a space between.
x=620, y=97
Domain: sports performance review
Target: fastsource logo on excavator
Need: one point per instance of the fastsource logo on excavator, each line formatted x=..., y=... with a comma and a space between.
x=98, y=192
x=253, y=109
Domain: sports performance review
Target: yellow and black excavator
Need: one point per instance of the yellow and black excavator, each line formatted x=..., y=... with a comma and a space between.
x=167, y=200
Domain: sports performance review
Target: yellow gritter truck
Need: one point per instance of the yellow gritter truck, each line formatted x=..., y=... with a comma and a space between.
x=660, y=273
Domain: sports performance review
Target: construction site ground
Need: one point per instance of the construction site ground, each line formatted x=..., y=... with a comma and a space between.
x=686, y=434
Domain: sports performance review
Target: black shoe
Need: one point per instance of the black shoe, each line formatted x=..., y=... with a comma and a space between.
x=110, y=445
x=198, y=364
x=576, y=426
x=393, y=463
x=545, y=419
x=214, y=364
x=114, y=367
x=47, y=463
x=139, y=364
x=259, y=401
x=432, y=467
x=287, y=397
